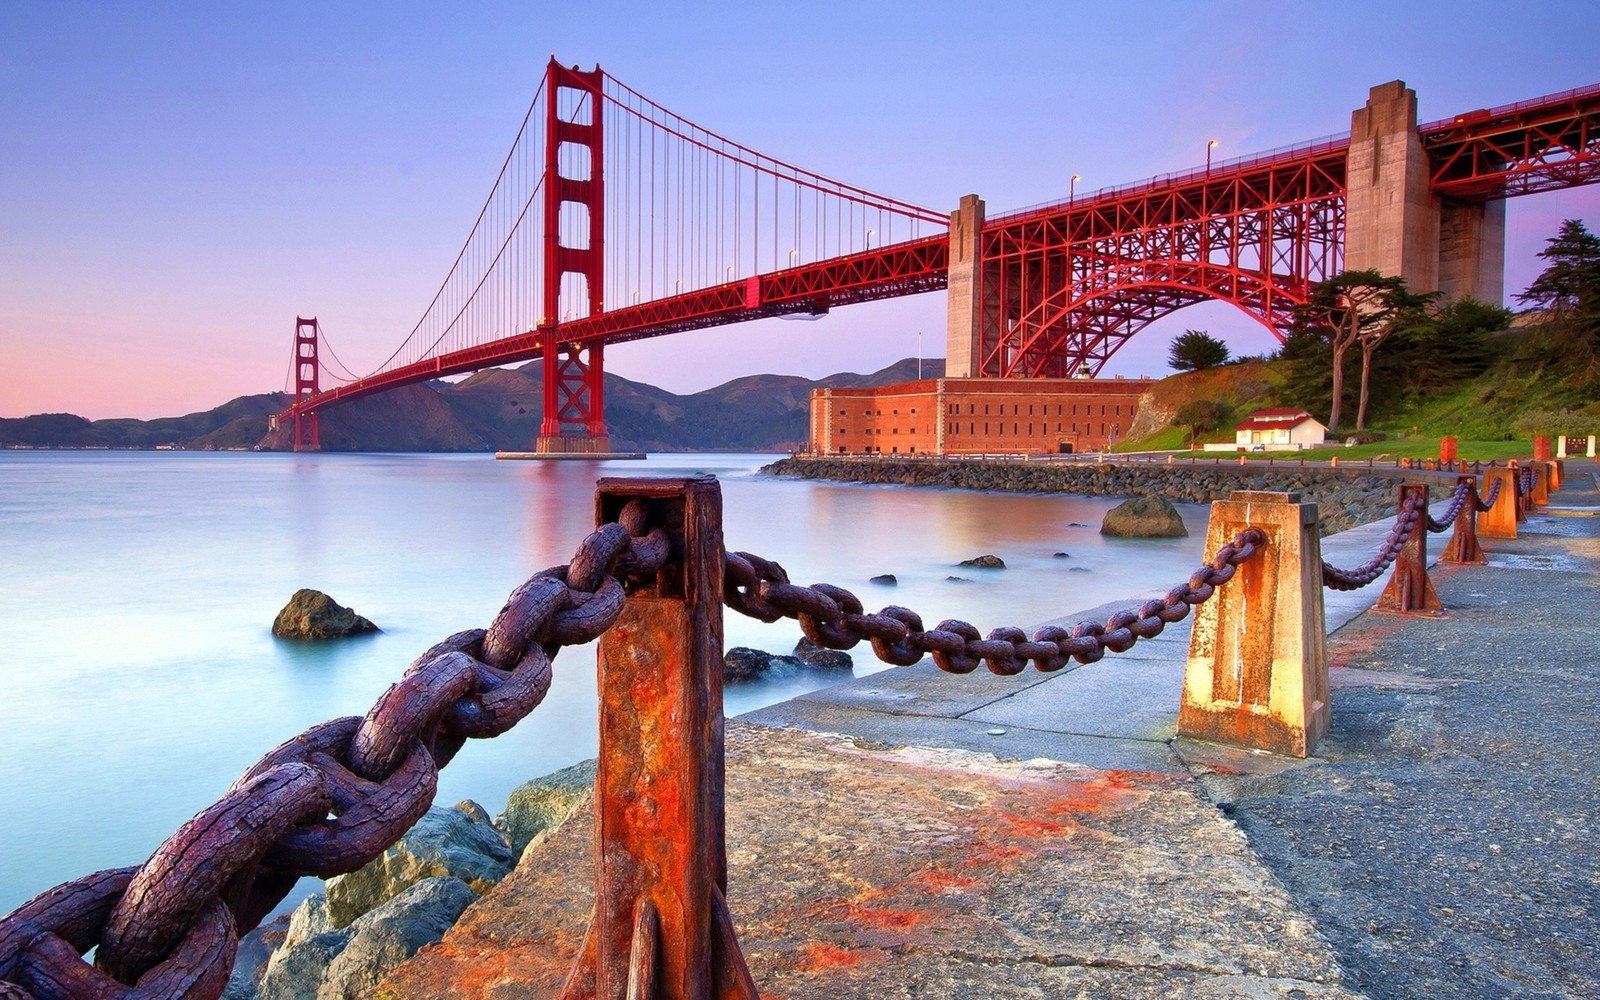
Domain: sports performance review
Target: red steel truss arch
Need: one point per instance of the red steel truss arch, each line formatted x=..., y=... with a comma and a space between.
x=1066, y=285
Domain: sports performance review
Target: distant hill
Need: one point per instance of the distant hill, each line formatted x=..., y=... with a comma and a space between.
x=498, y=409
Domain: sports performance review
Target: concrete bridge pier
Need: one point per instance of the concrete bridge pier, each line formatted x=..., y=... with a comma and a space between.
x=1396, y=225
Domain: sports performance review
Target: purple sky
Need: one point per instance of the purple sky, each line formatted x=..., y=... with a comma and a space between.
x=178, y=181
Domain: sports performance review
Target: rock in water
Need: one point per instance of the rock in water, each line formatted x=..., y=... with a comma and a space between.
x=311, y=614
x=1144, y=517
x=820, y=657
x=887, y=579
x=985, y=562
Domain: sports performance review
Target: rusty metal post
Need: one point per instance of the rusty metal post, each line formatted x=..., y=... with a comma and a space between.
x=1463, y=547
x=1258, y=672
x=661, y=928
x=1409, y=590
x=1500, y=521
x=1539, y=496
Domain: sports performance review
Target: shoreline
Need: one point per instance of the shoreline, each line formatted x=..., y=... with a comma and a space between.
x=1344, y=498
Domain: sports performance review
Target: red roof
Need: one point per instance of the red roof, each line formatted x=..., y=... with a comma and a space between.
x=1262, y=420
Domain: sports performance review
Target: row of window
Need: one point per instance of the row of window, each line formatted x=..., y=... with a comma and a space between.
x=879, y=413
x=879, y=430
x=1088, y=409
x=954, y=427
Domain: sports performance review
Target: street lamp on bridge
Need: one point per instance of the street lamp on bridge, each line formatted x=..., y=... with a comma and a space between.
x=794, y=252
x=869, y=238
x=1072, y=188
x=1209, y=147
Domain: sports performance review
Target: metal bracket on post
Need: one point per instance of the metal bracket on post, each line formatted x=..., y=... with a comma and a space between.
x=1463, y=547
x=661, y=926
x=1500, y=521
x=1258, y=670
x=1409, y=590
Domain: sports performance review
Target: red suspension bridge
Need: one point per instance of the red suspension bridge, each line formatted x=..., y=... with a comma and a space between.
x=613, y=219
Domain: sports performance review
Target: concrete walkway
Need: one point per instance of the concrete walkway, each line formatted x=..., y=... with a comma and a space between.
x=916, y=834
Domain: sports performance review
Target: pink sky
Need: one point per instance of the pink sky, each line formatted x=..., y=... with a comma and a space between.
x=178, y=183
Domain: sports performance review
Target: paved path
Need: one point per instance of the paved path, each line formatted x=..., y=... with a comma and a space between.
x=914, y=834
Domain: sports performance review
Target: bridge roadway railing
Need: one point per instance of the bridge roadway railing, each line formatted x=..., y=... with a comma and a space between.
x=650, y=583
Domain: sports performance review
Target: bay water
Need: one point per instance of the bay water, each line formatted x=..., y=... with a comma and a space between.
x=139, y=677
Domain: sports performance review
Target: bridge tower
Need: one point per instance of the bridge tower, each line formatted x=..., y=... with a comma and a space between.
x=574, y=210
x=1396, y=225
x=307, y=333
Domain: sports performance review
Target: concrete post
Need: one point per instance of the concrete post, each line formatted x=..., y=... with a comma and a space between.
x=1561, y=446
x=1590, y=451
x=1409, y=590
x=1500, y=521
x=1258, y=672
x=963, y=299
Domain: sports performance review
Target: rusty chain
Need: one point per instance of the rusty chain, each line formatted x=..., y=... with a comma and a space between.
x=832, y=617
x=335, y=797
x=1464, y=489
x=1405, y=522
x=1488, y=502
x=324, y=803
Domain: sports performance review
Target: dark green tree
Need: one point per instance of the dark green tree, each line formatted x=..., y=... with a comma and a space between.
x=1349, y=308
x=1200, y=416
x=1570, y=285
x=1196, y=350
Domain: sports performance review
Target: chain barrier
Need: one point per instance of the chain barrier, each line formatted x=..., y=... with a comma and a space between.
x=1525, y=479
x=1458, y=500
x=1487, y=503
x=324, y=803
x=1405, y=523
x=832, y=617
x=335, y=797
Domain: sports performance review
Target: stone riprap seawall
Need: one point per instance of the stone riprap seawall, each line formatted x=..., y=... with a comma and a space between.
x=1343, y=501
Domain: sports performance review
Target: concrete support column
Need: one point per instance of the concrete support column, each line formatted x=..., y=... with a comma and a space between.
x=964, y=316
x=1391, y=217
x=1472, y=251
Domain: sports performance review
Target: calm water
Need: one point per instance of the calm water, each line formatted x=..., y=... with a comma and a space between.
x=138, y=676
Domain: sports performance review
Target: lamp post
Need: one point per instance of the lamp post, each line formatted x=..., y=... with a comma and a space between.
x=730, y=272
x=1072, y=188
x=870, y=232
x=1209, y=147
x=793, y=253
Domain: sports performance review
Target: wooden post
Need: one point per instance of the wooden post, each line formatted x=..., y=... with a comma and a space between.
x=1258, y=670
x=1409, y=590
x=661, y=928
x=1500, y=521
x=1464, y=547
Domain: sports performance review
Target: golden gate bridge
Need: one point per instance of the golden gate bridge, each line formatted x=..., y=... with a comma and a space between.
x=614, y=219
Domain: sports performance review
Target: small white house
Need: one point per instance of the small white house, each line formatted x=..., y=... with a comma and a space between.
x=1279, y=430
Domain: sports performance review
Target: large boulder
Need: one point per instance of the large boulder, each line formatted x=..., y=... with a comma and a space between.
x=1144, y=517
x=393, y=933
x=444, y=842
x=318, y=962
x=311, y=614
x=294, y=972
x=545, y=803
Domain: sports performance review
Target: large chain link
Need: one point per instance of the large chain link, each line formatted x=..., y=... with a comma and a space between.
x=324, y=803
x=1464, y=489
x=1405, y=522
x=833, y=617
x=1487, y=503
